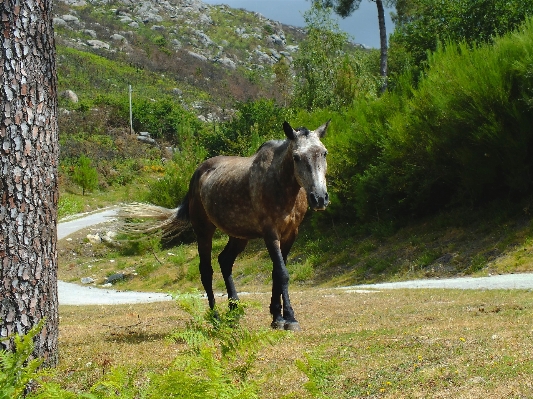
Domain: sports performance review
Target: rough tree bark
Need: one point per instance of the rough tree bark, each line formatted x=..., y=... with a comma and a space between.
x=28, y=175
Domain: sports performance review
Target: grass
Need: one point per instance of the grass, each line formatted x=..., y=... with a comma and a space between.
x=389, y=344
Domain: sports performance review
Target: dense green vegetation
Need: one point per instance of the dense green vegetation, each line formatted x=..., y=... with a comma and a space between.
x=457, y=135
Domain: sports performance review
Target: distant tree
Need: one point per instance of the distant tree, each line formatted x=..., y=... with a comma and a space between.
x=318, y=60
x=422, y=24
x=283, y=80
x=345, y=8
x=29, y=152
x=85, y=175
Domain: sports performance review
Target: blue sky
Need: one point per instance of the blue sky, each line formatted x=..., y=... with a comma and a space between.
x=362, y=25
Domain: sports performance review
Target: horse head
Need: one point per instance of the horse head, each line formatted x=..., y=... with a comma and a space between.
x=309, y=155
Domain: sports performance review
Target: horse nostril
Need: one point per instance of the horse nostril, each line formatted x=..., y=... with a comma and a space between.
x=313, y=198
x=327, y=197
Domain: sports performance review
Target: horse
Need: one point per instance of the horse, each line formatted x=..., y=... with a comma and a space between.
x=263, y=196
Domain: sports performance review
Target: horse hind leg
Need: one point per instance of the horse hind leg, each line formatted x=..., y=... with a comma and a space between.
x=226, y=259
x=205, y=245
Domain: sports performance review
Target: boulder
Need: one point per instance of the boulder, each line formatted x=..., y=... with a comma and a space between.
x=94, y=238
x=90, y=32
x=227, y=62
x=69, y=95
x=59, y=22
x=87, y=280
x=197, y=56
x=115, y=278
x=98, y=44
x=70, y=18
x=117, y=38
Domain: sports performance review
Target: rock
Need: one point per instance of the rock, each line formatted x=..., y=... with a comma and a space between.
x=109, y=237
x=292, y=48
x=151, y=18
x=158, y=28
x=70, y=19
x=203, y=38
x=277, y=39
x=87, y=280
x=275, y=54
x=227, y=62
x=146, y=139
x=94, y=238
x=205, y=19
x=115, y=278
x=197, y=56
x=69, y=95
x=134, y=25
x=59, y=22
x=75, y=3
x=176, y=44
x=90, y=32
x=98, y=44
x=125, y=19
x=117, y=38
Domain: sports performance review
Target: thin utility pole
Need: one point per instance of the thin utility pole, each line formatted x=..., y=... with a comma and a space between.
x=131, y=113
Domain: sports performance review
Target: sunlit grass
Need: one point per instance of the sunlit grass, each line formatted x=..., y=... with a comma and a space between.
x=389, y=344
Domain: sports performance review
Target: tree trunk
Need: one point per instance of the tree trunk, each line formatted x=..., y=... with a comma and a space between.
x=383, y=44
x=28, y=175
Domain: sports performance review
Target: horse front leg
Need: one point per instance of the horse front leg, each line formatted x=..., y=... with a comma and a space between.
x=280, y=289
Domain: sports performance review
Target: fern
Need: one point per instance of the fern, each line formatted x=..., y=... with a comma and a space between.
x=17, y=369
x=221, y=352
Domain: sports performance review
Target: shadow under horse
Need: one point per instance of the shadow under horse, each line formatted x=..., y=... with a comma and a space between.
x=262, y=196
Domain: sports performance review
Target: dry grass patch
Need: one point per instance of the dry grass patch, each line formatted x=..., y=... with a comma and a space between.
x=389, y=344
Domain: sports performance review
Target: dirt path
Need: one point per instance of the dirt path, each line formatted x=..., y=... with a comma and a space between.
x=73, y=294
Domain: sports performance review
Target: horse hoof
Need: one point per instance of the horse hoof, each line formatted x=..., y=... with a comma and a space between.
x=278, y=325
x=292, y=326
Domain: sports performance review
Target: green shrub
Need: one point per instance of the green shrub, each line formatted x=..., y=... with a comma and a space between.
x=420, y=28
x=169, y=190
x=84, y=175
x=254, y=123
x=463, y=136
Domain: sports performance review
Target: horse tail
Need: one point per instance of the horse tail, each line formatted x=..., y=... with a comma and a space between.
x=140, y=218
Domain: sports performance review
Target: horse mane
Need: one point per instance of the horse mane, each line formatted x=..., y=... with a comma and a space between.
x=302, y=130
x=270, y=143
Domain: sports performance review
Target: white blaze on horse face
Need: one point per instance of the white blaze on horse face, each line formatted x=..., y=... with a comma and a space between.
x=310, y=168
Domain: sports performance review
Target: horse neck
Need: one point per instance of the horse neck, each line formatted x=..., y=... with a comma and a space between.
x=285, y=169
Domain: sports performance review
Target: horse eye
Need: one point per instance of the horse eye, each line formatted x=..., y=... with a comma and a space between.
x=296, y=157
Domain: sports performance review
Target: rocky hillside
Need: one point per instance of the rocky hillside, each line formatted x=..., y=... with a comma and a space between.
x=214, y=53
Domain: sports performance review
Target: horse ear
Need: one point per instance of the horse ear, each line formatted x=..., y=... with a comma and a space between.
x=321, y=131
x=289, y=131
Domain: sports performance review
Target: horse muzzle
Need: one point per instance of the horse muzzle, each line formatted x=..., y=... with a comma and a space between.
x=318, y=202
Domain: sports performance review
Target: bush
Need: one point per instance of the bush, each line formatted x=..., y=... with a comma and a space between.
x=169, y=190
x=84, y=175
x=463, y=136
x=254, y=123
x=420, y=29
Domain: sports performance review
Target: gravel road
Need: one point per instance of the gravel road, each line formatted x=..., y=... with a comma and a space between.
x=73, y=294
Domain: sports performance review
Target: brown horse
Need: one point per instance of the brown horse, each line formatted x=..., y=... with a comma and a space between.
x=262, y=196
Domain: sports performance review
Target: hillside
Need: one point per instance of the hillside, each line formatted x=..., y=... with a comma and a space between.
x=204, y=56
x=177, y=57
